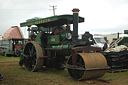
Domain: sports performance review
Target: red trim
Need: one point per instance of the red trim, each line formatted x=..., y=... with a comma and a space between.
x=43, y=56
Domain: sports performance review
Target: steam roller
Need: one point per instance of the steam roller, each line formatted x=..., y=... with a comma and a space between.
x=55, y=45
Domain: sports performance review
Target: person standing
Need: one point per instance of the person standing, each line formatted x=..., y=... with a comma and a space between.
x=106, y=45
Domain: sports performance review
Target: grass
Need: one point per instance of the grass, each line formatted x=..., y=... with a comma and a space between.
x=3, y=58
x=16, y=75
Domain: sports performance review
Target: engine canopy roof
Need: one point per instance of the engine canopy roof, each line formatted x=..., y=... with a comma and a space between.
x=50, y=21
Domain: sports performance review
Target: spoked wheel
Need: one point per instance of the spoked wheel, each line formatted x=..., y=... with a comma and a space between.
x=91, y=65
x=32, y=53
x=75, y=73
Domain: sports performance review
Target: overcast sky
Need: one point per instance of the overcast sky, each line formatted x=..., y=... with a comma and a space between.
x=101, y=16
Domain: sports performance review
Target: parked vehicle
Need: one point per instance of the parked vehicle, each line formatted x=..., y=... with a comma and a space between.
x=99, y=41
x=10, y=47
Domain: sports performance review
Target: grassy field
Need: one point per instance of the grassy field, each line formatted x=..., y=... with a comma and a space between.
x=16, y=75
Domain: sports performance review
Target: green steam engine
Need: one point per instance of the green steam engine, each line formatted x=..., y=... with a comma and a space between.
x=54, y=45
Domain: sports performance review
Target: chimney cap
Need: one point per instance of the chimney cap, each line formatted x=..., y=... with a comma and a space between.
x=75, y=10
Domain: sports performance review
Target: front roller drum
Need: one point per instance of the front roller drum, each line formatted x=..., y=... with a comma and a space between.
x=88, y=66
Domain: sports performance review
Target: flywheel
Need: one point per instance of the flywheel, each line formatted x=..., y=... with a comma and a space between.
x=32, y=53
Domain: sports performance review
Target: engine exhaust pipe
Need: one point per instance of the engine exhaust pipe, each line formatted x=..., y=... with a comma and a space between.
x=75, y=23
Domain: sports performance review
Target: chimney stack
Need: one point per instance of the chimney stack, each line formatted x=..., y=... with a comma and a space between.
x=75, y=23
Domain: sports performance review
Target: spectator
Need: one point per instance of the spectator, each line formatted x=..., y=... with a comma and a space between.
x=18, y=46
x=106, y=45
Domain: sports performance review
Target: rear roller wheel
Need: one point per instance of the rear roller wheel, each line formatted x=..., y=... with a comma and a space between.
x=32, y=60
x=92, y=64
